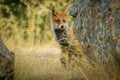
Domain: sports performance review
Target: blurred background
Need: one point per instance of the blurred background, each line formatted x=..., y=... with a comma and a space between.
x=25, y=30
x=27, y=22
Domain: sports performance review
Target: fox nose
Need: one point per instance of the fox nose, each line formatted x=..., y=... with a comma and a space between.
x=62, y=26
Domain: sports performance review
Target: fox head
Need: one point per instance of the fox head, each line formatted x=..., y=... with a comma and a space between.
x=59, y=20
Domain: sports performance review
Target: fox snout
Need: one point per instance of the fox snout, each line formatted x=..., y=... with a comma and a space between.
x=62, y=27
x=59, y=26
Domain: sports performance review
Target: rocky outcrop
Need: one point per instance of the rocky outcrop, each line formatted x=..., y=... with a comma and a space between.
x=97, y=26
x=6, y=63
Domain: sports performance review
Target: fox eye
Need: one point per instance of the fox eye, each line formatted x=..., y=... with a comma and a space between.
x=64, y=20
x=57, y=20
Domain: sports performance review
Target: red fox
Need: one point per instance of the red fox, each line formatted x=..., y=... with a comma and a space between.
x=59, y=26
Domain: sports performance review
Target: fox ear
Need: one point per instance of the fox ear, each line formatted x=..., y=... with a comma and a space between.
x=66, y=10
x=53, y=10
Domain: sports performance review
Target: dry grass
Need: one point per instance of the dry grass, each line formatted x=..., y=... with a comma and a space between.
x=42, y=63
x=39, y=63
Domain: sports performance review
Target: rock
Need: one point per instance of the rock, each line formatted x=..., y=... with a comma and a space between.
x=6, y=63
x=97, y=26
